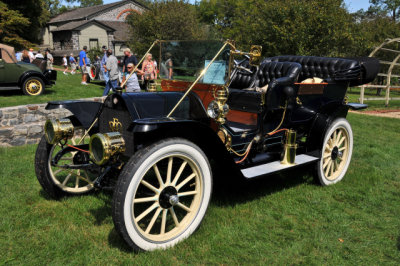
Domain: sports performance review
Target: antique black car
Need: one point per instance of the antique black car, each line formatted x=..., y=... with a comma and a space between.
x=248, y=116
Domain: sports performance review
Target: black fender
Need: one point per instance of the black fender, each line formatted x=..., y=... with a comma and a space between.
x=149, y=131
x=84, y=111
x=321, y=123
x=31, y=73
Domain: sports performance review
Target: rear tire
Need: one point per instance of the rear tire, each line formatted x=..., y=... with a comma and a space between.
x=162, y=194
x=336, y=152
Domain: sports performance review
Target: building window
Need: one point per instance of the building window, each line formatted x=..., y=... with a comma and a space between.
x=93, y=44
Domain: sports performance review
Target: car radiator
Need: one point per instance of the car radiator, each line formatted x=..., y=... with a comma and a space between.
x=112, y=119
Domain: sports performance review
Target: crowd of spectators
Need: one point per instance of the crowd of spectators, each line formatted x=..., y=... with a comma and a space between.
x=113, y=75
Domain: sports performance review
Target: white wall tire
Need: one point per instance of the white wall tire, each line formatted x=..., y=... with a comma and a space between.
x=162, y=194
x=336, y=152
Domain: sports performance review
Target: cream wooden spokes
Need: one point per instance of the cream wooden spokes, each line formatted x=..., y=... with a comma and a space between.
x=335, y=153
x=70, y=180
x=168, y=198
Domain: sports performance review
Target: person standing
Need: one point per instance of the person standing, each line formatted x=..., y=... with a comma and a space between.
x=25, y=56
x=149, y=70
x=132, y=84
x=31, y=56
x=18, y=55
x=103, y=67
x=128, y=58
x=72, y=62
x=112, y=69
x=65, y=64
x=82, y=64
x=39, y=55
x=50, y=59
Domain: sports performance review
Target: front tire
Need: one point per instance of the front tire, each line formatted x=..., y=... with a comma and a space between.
x=58, y=181
x=33, y=86
x=336, y=152
x=162, y=194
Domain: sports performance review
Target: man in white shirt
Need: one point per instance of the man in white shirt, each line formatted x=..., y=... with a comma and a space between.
x=39, y=55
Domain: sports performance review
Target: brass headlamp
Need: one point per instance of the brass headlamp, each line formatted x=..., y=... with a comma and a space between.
x=58, y=129
x=105, y=146
x=218, y=108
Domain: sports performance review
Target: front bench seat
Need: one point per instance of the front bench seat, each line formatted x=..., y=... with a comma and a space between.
x=277, y=75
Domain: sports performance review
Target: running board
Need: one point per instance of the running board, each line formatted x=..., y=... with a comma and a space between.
x=276, y=166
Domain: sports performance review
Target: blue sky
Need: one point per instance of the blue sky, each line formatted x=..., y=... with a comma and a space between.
x=352, y=5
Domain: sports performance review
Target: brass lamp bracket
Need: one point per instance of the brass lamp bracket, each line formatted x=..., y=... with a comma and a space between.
x=220, y=95
x=255, y=54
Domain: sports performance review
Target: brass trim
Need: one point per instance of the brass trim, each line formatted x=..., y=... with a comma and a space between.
x=290, y=147
x=58, y=129
x=111, y=144
x=225, y=137
x=115, y=125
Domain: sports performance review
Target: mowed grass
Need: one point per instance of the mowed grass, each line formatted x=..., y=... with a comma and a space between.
x=286, y=219
x=67, y=87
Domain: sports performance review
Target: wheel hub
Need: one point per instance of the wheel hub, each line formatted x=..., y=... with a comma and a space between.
x=81, y=158
x=168, y=197
x=335, y=153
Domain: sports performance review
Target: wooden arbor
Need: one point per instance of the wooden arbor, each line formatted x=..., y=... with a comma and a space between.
x=389, y=54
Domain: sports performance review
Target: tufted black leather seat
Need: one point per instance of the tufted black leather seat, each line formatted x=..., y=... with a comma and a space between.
x=327, y=68
x=276, y=75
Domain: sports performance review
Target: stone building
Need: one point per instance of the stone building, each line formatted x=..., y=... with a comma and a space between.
x=93, y=26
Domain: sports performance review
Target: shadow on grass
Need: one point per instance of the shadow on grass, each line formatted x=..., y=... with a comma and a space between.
x=398, y=243
x=233, y=191
x=117, y=242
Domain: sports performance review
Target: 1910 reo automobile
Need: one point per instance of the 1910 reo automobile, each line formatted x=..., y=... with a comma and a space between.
x=250, y=116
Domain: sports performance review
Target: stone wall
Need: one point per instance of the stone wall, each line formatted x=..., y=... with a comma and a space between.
x=20, y=125
x=119, y=13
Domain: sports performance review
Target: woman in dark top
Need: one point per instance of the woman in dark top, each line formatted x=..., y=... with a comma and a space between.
x=25, y=57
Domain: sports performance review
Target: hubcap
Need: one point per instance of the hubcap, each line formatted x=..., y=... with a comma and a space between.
x=335, y=153
x=33, y=87
x=168, y=198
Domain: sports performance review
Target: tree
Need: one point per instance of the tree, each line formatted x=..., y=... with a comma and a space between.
x=85, y=3
x=391, y=6
x=12, y=25
x=37, y=14
x=304, y=27
x=165, y=20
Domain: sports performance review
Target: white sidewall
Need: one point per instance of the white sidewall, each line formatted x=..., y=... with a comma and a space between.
x=197, y=157
x=341, y=122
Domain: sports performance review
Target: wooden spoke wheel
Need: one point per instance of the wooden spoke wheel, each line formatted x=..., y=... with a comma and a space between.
x=33, y=86
x=57, y=180
x=336, y=152
x=162, y=194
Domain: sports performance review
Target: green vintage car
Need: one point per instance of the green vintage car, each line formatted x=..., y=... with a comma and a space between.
x=30, y=78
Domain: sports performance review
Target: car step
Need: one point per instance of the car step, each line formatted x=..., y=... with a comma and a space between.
x=273, y=167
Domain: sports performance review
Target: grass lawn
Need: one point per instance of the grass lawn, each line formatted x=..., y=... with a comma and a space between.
x=279, y=220
x=67, y=87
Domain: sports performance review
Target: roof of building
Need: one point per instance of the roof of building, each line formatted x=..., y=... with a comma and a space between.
x=121, y=30
x=85, y=12
x=76, y=24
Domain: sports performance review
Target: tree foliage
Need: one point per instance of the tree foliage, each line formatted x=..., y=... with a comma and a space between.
x=12, y=25
x=165, y=20
x=390, y=6
x=35, y=11
x=85, y=3
x=308, y=27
